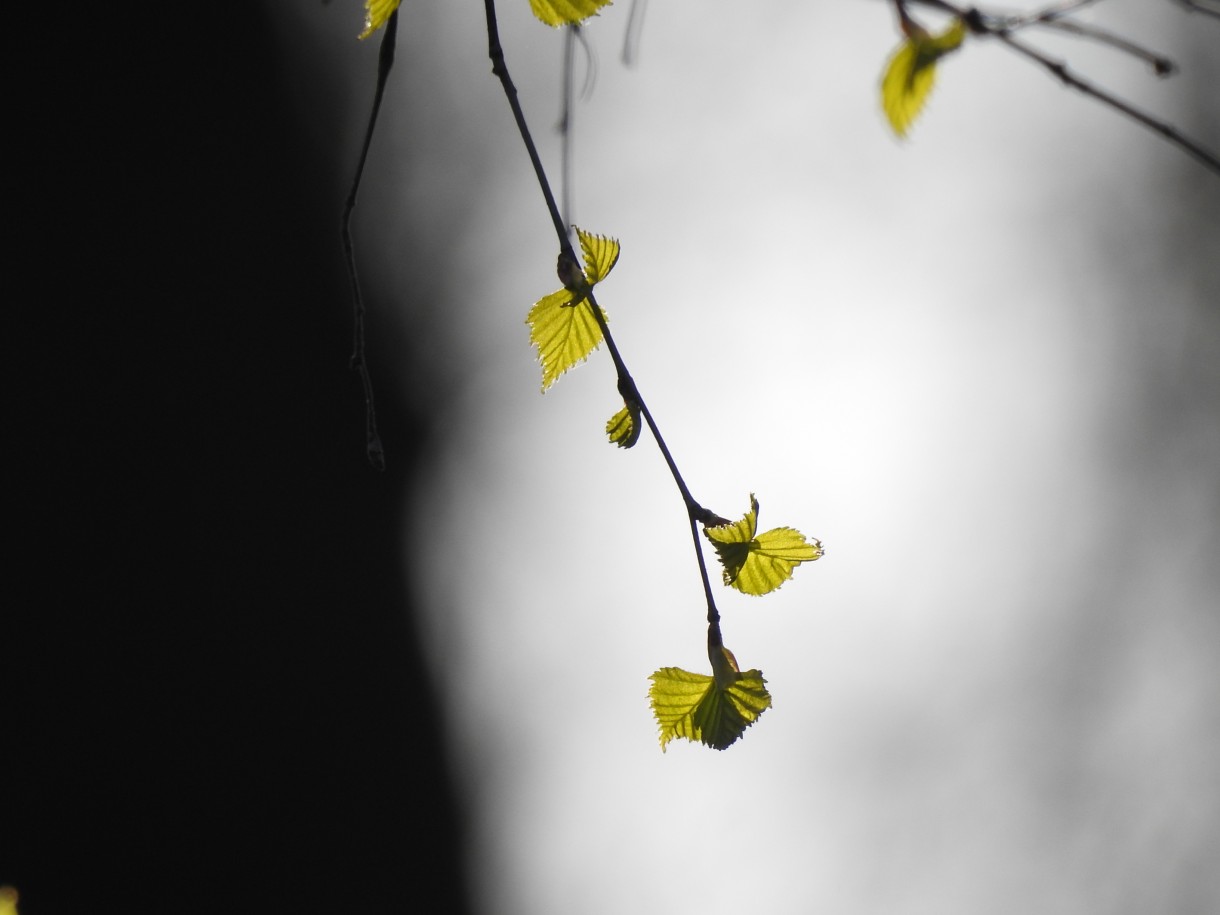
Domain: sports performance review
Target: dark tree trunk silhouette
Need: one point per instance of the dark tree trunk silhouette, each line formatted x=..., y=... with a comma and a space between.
x=212, y=692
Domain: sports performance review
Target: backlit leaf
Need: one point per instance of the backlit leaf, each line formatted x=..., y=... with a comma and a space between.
x=911, y=73
x=565, y=332
x=566, y=12
x=376, y=14
x=711, y=710
x=624, y=426
x=601, y=254
x=759, y=563
x=562, y=324
x=8, y=900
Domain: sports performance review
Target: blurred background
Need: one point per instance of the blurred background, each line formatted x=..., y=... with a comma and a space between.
x=981, y=365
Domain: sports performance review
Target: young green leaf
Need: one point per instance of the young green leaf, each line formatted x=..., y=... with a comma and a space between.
x=758, y=564
x=376, y=14
x=711, y=710
x=601, y=254
x=565, y=332
x=624, y=426
x=566, y=12
x=562, y=324
x=911, y=73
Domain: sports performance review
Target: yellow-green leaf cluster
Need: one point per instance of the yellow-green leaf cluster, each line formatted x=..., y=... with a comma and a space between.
x=911, y=73
x=376, y=14
x=759, y=563
x=8, y=900
x=562, y=325
x=566, y=12
x=712, y=710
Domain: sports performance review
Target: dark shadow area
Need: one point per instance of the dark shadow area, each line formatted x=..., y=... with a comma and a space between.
x=211, y=695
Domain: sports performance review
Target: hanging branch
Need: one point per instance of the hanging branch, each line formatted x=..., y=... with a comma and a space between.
x=714, y=710
x=359, y=362
x=570, y=275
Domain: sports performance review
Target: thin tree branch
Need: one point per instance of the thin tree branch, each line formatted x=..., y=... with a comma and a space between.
x=568, y=268
x=500, y=69
x=985, y=24
x=1059, y=10
x=1059, y=70
x=359, y=362
x=1161, y=65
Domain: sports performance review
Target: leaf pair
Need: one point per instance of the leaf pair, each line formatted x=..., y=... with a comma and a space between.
x=562, y=324
x=713, y=710
x=759, y=563
x=716, y=710
x=911, y=72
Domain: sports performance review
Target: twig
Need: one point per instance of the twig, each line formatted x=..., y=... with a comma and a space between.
x=988, y=25
x=359, y=363
x=1059, y=70
x=500, y=69
x=696, y=513
x=1058, y=11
